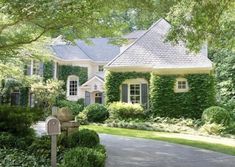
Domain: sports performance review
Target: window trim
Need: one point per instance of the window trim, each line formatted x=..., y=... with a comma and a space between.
x=181, y=90
x=72, y=78
x=129, y=93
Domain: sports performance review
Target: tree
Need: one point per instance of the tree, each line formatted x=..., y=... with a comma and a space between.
x=197, y=21
x=47, y=92
x=224, y=61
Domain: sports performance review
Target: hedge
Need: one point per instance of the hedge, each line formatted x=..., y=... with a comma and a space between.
x=165, y=102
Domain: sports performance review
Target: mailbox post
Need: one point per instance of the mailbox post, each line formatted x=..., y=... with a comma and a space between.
x=53, y=129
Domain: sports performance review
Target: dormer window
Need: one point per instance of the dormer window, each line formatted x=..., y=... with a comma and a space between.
x=181, y=85
x=100, y=68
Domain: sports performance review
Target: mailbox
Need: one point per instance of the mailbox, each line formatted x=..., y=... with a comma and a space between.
x=53, y=126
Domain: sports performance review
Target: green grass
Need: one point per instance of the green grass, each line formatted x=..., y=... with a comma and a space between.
x=158, y=136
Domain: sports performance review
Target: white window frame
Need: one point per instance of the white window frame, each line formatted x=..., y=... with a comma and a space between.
x=129, y=93
x=36, y=68
x=99, y=96
x=181, y=90
x=72, y=78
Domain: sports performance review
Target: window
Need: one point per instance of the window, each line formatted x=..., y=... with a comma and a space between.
x=36, y=68
x=134, y=93
x=100, y=68
x=73, y=87
x=181, y=85
x=98, y=98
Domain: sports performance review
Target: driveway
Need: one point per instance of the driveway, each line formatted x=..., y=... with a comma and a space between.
x=133, y=152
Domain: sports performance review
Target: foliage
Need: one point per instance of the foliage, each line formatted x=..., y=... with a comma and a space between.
x=83, y=138
x=14, y=157
x=83, y=157
x=65, y=70
x=96, y=113
x=166, y=103
x=47, y=92
x=212, y=128
x=48, y=70
x=224, y=61
x=197, y=21
x=41, y=147
x=8, y=86
x=216, y=115
x=114, y=80
x=158, y=124
x=73, y=106
x=124, y=111
x=18, y=120
x=82, y=118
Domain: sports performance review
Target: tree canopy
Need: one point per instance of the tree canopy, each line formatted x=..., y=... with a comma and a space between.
x=197, y=21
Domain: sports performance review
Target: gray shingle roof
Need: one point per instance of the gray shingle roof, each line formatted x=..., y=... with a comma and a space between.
x=150, y=50
x=100, y=49
x=69, y=52
x=134, y=34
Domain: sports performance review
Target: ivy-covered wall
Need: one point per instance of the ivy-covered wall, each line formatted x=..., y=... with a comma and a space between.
x=165, y=102
x=65, y=70
x=48, y=69
x=113, y=80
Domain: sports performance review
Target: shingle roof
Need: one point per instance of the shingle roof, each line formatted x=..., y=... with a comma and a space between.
x=150, y=50
x=100, y=49
x=69, y=52
x=135, y=34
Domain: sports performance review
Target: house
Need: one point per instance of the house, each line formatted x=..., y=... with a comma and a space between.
x=84, y=65
x=166, y=77
x=148, y=70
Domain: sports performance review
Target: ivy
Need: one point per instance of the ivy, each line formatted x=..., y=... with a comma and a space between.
x=113, y=81
x=165, y=102
x=48, y=70
x=65, y=70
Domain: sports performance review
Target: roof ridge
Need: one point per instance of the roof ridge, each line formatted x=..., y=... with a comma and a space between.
x=153, y=25
x=84, y=52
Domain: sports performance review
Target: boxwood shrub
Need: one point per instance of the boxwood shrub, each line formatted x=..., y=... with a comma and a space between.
x=18, y=120
x=119, y=110
x=96, y=113
x=84, y=138
x=83, y=157
x=216, y=115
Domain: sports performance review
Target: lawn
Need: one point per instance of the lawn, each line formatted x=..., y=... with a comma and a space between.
x=169, y=137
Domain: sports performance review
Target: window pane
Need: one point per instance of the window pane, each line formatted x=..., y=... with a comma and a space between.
x=73, y=87
x=135, y=93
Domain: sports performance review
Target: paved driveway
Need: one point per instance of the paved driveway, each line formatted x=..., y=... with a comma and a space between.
x=133, y=152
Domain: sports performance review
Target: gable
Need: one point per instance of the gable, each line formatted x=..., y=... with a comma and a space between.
x=151, y=51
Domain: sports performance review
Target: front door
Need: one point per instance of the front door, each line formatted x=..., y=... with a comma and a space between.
x=99, y=97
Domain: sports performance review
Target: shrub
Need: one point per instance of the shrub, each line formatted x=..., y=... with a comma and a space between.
x=216, y=115
x=82, y=118
x=83, y=157
x=96, y=113
x=212, y=129
x=41, y=147
x=17, y=120
x=84, y=138
x=74, y=107
x=8, y=140
x=121, y=110
x=14, y=157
